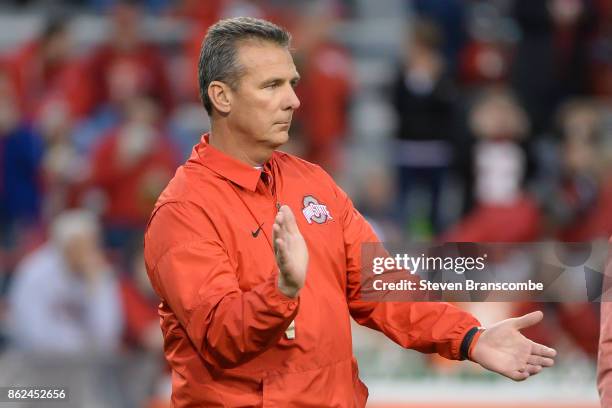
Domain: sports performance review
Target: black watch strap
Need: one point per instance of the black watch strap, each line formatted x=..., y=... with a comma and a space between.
x=467, y=342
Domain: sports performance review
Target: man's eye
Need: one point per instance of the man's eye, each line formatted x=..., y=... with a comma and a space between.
x=272, y=85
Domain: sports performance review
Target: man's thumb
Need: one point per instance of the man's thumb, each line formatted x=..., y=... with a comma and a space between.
x=528, y=320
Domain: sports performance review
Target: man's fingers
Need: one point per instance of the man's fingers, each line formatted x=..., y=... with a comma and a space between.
x=519, y=375
x=288, y=218
x=279, y=218
x=276, y=234
x=281, y=249
x=281, y=222
x=533, y=369
x=528, y=320
x=540, y=361
x=542, y=350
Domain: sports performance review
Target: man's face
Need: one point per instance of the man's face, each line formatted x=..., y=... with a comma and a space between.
x=264, y=100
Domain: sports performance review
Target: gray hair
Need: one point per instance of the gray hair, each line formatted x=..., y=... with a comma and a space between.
x=218, y=55
x=73, y=224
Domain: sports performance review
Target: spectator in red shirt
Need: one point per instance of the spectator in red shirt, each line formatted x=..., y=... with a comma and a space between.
x=45, y=69
x=126, y=65
x=504, y=212
x=130, y=167
x=325, y=90
x=485, y=58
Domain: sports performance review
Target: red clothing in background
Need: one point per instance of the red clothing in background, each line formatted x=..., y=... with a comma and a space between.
x=595, y=223
x=482, y=63
x=140, y=71
x=201, y=18
x=131, y=190
x=324, y=92
x=37, y=82
x=139, y=311
x=516, y=222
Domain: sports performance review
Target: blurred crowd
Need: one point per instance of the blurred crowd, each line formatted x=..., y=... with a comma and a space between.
x=503, y=133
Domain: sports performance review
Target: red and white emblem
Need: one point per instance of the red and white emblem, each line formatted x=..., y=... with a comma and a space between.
x=313, y=211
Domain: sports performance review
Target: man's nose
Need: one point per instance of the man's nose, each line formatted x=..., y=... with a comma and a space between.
x=291, y=99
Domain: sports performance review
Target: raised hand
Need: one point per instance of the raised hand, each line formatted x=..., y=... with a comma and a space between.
x=503, y=349
x=290, y=251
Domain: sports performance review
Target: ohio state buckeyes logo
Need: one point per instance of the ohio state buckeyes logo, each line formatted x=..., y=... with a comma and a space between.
x=313, y=211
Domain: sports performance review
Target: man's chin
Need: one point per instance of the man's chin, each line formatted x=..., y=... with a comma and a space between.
x=279, y=139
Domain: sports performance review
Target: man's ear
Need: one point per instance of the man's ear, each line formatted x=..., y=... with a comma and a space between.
x=220, y=96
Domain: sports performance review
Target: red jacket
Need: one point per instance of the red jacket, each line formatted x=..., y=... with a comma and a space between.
x=209, y=256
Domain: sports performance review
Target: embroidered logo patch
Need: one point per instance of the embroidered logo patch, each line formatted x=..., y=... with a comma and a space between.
x=313, y=211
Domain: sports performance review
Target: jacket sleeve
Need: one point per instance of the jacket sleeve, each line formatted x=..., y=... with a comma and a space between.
x=604, y=360
x=191, y=271
x=424, y=326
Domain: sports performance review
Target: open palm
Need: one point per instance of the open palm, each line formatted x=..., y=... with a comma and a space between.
x=503, y=349
x=290, y=251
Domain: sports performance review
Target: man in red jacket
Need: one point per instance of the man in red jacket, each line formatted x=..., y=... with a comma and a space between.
x=256, y=256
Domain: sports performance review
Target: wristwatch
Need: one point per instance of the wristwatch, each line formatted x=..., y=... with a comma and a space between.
x=466, y=343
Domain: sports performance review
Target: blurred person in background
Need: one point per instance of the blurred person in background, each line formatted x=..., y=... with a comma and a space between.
x=550, y=62
x=600, y=55
x=449, y=16
x=375, y=202
x=64, y=168
x=504, y=211
x=129, y=168
x=21, y=153
x=581, y=205
x=47, y=68
x=127, y=64
x=424, y=100
x=577, y=208
x=65, y=296
x=325, y=89
x=484, y=61
x=485, y=58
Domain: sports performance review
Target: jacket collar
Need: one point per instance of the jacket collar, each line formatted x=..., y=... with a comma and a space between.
x=228, y=167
